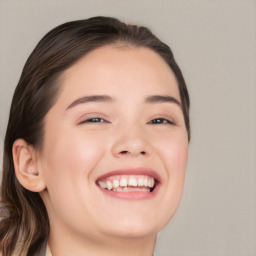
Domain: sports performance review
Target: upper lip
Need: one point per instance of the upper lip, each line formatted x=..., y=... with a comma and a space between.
x=132, y=171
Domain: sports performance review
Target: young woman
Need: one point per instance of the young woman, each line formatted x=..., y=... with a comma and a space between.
x=96, y=146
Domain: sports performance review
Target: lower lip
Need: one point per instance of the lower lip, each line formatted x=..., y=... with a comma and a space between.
x=134, y=195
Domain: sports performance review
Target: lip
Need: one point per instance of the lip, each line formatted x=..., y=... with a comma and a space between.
x=132, y=171
x=134, y=195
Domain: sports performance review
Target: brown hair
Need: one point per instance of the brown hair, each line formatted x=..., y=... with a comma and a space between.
x=27, y=221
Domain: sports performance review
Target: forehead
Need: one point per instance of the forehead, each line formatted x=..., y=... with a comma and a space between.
x=117, y=69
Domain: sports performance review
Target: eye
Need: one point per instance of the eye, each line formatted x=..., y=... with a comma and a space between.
x=95, y=120
x=160, y=121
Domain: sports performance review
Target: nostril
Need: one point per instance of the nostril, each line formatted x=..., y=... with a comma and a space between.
x=124, y=152
x=132, y=153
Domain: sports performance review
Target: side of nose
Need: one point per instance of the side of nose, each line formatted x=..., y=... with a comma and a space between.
x=131, y=143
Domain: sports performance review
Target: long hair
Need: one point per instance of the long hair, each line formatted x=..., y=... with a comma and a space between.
x=25, y=227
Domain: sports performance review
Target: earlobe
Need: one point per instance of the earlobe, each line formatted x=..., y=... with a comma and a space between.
x=26, y=167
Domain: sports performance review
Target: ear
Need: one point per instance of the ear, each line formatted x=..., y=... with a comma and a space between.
x=25, y=165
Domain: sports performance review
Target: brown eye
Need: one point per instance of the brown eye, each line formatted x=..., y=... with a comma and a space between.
x=94, y=120
x=160, y=121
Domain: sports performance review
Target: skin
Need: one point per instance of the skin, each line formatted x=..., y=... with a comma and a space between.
x=83, y=220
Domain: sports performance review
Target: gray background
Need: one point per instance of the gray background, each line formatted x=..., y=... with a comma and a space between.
x=214, y=43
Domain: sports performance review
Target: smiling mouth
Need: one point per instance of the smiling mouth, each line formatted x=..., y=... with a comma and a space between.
x=128, y=183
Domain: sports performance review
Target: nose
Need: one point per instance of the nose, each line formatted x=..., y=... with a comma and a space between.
x=131, y=144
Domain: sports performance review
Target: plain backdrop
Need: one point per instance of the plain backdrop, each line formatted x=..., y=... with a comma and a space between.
x=214, y=43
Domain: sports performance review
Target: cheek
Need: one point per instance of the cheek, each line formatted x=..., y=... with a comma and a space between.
x=174, y=156
x=174, y=150
x=72, y=153
x=69, y=160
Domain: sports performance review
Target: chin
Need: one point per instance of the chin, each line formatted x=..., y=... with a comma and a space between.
x=136, y=228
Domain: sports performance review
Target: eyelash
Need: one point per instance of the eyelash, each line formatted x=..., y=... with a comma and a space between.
x=95, y=120
x=156, y=121
x=161, y=121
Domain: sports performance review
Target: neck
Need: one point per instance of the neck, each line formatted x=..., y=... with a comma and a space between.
x=107, y=246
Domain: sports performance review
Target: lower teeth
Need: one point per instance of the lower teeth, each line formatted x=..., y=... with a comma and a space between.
x=130, y=189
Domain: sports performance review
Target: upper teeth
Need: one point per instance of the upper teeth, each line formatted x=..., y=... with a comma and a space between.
x=117, y=181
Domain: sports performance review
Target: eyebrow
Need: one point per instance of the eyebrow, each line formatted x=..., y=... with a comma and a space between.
x=93, y=98
x=162, y=99
x=106, y=98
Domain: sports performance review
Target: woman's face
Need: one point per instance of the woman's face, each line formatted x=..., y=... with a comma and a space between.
x=115, y=146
